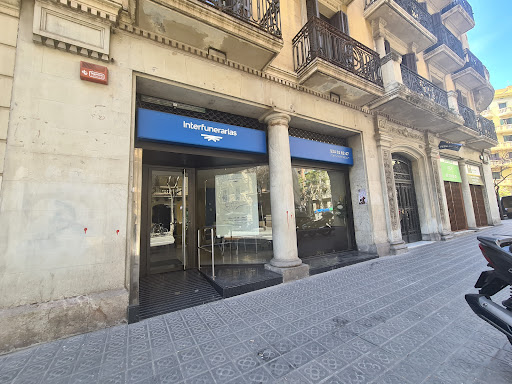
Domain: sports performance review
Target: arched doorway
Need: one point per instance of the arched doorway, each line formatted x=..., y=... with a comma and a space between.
x=406, y=196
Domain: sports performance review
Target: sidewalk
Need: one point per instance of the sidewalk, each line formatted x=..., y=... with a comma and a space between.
x=400, y=319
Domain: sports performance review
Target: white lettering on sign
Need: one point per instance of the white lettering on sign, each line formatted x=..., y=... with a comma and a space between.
x=341, y=154
x=94, y=74
x=205, y=128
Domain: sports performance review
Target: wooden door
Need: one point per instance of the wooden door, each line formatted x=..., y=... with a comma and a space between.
x=455, y=203
x=477, y=196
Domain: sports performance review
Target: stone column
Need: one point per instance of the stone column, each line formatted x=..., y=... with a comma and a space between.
x=452, y=102
x=493, y=212
x=466, y=195
x=391, y=71
x=443, y=216
x=397, y=245
x=379, y=35
x=284, y=235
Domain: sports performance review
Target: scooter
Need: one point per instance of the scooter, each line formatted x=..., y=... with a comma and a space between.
x=498, y=253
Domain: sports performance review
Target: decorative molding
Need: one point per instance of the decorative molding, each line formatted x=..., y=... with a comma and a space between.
x=125, y=27
x=437, y=181
x=390, y=187
x=103, y=9
x=391, y=56
x=10, y=8
x=71, y=32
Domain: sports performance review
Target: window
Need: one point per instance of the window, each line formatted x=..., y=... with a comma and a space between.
x=502, y=105
x=507, y=138
x=510, y=155
x=494, y=156
x=461, y=98
x=322, y=211
x=496, y=175
x=506, y=121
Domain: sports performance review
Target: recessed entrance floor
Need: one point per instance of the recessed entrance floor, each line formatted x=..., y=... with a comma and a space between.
x=168, y=292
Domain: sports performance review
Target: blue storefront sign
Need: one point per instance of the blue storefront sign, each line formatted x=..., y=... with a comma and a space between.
x=314, y=150
x=176, y=129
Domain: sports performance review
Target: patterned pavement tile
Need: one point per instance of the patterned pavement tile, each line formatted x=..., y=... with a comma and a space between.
x=225, y=373
x=314, y=372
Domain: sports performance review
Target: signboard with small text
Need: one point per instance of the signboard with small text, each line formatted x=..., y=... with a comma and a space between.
x=474, y=176
x=314, y=150
x=93, y=72
x=450, y=170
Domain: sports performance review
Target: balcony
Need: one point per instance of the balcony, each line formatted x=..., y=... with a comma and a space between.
x=448, y=53
x=458, y=16
x=408, y=20
x=475, y=77
x=327, y=60
x=439, y=4
x=413, y=99
x=506, y=128
x=487, y=138
x=248, y=33
x=467, y=131
x=505, y=112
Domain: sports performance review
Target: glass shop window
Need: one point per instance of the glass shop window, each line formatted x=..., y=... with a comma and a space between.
x=235, y=202
x=322, y=211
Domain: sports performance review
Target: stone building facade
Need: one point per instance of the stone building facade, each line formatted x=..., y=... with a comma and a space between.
x=352, y=97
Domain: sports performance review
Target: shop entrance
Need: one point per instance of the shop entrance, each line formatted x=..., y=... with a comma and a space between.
x=477, y=196
x=406, y=196
x=455, y=203
x=166, y=230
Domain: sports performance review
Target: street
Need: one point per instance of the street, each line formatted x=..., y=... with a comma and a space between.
x=397, y=319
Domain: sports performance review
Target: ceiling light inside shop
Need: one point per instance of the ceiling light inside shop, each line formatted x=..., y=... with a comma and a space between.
x=172, y=104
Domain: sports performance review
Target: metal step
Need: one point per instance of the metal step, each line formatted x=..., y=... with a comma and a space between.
x=168, y=292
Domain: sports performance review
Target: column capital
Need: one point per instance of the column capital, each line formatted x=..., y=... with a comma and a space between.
x=462, y=162
x=273, y=117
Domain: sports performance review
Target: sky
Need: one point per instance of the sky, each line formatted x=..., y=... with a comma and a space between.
x=491, y=39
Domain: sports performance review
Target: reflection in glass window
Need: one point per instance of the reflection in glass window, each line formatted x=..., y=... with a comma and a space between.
x=321, y=210
x=235, y=202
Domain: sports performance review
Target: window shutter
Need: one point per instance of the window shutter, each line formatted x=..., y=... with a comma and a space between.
x=312, y=8
x=459, y=97
x=387, y=47
x=340, y=21
x=409, y=60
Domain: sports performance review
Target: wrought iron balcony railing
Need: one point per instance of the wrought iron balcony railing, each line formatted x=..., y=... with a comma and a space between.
x=469, y=117
x=320, y=39
x=422, y=86
x=266, y=14
x=444, y=36
x=465, y=5
x=416, y=10
x=486, y=128
x=473, y=62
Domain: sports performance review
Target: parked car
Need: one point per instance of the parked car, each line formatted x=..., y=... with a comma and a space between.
x=506, y=205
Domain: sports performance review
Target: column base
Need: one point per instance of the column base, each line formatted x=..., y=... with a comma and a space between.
x=290, y=273
x=445, y=236
x=398, y=247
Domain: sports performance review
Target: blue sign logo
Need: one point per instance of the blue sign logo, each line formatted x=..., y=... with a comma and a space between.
x=170, y=128
x=314, y=150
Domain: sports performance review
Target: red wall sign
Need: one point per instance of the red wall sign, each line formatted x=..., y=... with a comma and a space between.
x=93, y=72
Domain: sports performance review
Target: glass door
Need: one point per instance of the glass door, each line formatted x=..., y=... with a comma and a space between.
x=168, y=214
